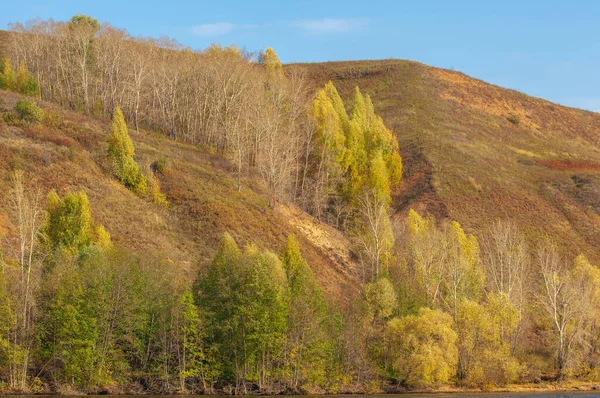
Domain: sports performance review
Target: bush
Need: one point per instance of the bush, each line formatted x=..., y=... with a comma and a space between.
x=29, y=111
x=514, y=119
x=160, y=166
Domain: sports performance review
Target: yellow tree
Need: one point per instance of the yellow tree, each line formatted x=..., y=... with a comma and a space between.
x=273, y=64
x=8, y=78
x=330, y=150
x=122, y=155
x=423, y=348
x=427, y=256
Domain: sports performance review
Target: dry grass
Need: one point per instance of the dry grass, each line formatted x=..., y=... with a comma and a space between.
x=67, y=152
x=466, y=160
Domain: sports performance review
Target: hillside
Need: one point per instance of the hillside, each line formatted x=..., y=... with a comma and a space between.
x=69, y=153
x=475, y=152
x=247, y=155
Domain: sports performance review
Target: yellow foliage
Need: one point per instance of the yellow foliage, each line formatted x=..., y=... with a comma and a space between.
x=103, y=240
x=273, y=64
x=424, y=348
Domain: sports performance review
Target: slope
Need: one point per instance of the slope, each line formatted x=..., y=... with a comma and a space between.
x=475, y=152
x=68, y=152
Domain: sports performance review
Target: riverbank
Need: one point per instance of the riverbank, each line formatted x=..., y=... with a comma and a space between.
x=569, y=387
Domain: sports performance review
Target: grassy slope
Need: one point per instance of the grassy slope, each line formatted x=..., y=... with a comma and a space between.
x=465, y=160
x=70, y=155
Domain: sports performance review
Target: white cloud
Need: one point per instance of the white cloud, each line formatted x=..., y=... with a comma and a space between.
x=330, y=25
x=214, y=29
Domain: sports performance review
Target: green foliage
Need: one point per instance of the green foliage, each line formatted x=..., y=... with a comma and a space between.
x=192, y=364
x=84, y=21
x=160, y=166
x=380, y=298
x=25, y=83
x=122, y=156
x=29, y=110
x=424, y=349
x=246, y=301
x=22, y=81
x=69, y=225
x=7, y=318
x=514, y=119
x=307, y=346
x=72, y=331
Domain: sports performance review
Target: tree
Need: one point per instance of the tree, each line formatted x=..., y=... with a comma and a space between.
x=71, y=332
x=427, y=256
x=423, y=348
x=561, y=298
x=273, y=64
x=122, y=155
x=505, y=259
x=374, y=233
x=464, y=277
x=7, y=326
x=8, y=78
x=69, y=226
x=191, y=354
x=483, y=356
x=81, y=30
x=306, y=345
x=330, y=150
x=587, y=279
x=26, y=213
x=245, y=298
x=25, y=83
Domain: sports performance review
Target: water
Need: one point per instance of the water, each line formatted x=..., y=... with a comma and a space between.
x=562, y=394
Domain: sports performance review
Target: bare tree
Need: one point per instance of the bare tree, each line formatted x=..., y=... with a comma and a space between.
x=506, y=262
x=562, y=296
x=375, y=236
x=27, y=214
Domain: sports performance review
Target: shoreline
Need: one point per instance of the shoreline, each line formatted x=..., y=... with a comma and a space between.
x=516, y=389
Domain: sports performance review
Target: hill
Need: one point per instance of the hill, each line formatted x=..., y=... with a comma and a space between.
x=68, y=152
x=475, y=152
x=471, y=152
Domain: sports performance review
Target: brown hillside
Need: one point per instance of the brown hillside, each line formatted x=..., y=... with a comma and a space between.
x=67, y=152
x=475, y=152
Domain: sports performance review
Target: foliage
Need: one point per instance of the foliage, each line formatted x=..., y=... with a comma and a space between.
x=122, y=155
x=69, y=225
x=273, y=64
x=29, y=111
x=246, y=301
x=424, y=348
x=22, y=81
x=8, y=77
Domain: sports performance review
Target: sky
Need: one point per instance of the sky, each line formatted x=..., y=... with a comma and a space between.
x=548, y=49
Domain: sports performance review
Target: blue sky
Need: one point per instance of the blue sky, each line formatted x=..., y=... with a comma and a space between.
x=549, y=49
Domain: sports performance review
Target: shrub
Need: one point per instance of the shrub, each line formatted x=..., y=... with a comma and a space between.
x=514, y=119
x=29, y=111
x=160, y=166
x=156, y=196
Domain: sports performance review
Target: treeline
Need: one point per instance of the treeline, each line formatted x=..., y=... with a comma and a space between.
x=79, y=314
x=337, y=166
